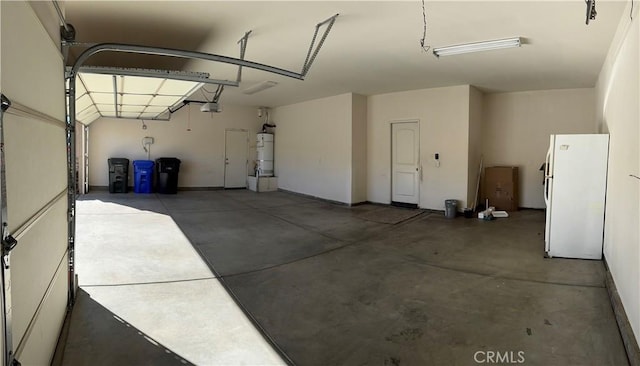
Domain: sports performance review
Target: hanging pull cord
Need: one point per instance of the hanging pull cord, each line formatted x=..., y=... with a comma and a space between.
x=423, y=40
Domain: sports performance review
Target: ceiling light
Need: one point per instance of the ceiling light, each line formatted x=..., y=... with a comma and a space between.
x=259, y=87
x=477, y=47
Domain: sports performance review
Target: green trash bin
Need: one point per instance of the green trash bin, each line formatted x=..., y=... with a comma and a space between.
x=118, y=175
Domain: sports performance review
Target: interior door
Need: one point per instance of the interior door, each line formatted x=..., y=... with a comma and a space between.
x=405, y=158
x=235, y=154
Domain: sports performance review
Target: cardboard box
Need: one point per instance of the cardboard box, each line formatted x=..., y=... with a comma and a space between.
x=501, y=187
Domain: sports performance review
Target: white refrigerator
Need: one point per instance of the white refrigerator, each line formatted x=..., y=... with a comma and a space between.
x=575, y=187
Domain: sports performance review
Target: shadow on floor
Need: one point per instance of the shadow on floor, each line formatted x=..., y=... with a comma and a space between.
x=105, y=339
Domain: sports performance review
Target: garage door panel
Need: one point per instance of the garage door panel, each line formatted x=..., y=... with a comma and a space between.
x=31, y=75
x=39, y=348
x=33, y=263
x=36, y=165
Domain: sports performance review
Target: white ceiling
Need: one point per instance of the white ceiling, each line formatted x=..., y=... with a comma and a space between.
x=373, y=47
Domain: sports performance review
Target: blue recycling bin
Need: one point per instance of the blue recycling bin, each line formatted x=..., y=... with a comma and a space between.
x=143, y=176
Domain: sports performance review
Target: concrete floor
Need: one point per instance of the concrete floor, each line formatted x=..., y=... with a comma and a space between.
x=331, y=285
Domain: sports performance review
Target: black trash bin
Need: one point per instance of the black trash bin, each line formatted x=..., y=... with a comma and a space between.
x=118, y=175
x=167, y=175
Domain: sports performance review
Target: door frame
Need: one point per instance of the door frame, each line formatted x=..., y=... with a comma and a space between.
x=246, y=164
x=85, y=158
x=391, y=145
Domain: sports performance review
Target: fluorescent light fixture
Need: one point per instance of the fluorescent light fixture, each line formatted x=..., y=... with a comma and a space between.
x=259, y=87
x=477, y=47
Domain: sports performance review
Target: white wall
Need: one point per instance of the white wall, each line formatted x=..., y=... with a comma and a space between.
x=443, y=114
x=618, y=93
x=476, y=102
x=32, y=75
x=313, y=147
x=517, y=128
x=359, y=149
x=196, y=138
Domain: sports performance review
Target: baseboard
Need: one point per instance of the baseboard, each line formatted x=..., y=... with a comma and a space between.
x=378, y=203
x=106, y=188
x=201, y=188
x=314, y=197
x=98, y=188
x=358, y=203
x=404, y=204
x=531, y=209
x=628, y=338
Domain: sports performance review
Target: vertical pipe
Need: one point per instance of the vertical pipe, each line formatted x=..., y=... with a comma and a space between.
x=115, y=95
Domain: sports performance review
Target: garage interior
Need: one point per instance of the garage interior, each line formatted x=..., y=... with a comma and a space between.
x=327, y=261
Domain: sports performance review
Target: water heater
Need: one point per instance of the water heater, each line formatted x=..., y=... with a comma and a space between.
x=264, y=149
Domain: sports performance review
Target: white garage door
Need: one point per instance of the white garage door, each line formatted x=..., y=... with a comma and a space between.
x=36, y=181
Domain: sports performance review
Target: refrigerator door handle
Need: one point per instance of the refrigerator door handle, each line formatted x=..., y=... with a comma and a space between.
x=547, y=187
x=547, y=161
x=547, y=177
